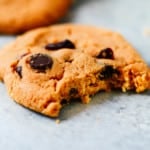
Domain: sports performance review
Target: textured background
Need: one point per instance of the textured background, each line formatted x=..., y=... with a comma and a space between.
x=112, y=121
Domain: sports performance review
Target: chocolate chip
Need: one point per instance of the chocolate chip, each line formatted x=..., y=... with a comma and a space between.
x=107, y=72
x=41, y=62
x=73, y=91
x=18, y=69
x=106, y=53
x=63, y=44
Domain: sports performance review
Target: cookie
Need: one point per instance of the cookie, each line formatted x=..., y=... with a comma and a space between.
x=19, y=16
x=47, y=67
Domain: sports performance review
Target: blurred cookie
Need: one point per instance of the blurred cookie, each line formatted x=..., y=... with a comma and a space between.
x=17, y=16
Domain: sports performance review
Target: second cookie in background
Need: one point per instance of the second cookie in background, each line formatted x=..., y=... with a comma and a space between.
x=17, y=16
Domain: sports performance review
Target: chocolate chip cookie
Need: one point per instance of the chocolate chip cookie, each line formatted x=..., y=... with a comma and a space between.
x=20, y=15
x=47, y=67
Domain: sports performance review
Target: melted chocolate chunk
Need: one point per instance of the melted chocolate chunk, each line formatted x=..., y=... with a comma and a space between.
x=106, y=53
x=18, y=69
x=41, y=62
x=63, y=44
x=107, y=72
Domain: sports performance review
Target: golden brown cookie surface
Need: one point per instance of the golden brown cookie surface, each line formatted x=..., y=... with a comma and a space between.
x=20, y=15
x=51, y=65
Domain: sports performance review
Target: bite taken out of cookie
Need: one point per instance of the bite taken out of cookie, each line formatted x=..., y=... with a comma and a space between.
x=47, y=67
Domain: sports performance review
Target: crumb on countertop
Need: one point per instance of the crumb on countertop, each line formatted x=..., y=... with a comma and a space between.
x=146, y=31
x=57, y=121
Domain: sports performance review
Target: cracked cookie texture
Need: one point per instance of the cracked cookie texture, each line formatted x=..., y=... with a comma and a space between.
x=47, y=67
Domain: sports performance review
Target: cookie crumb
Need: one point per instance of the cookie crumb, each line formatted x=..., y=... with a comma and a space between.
x=146, y=31
x=57, y=121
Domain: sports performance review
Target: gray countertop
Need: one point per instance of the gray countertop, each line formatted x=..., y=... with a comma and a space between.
x=112, y=121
